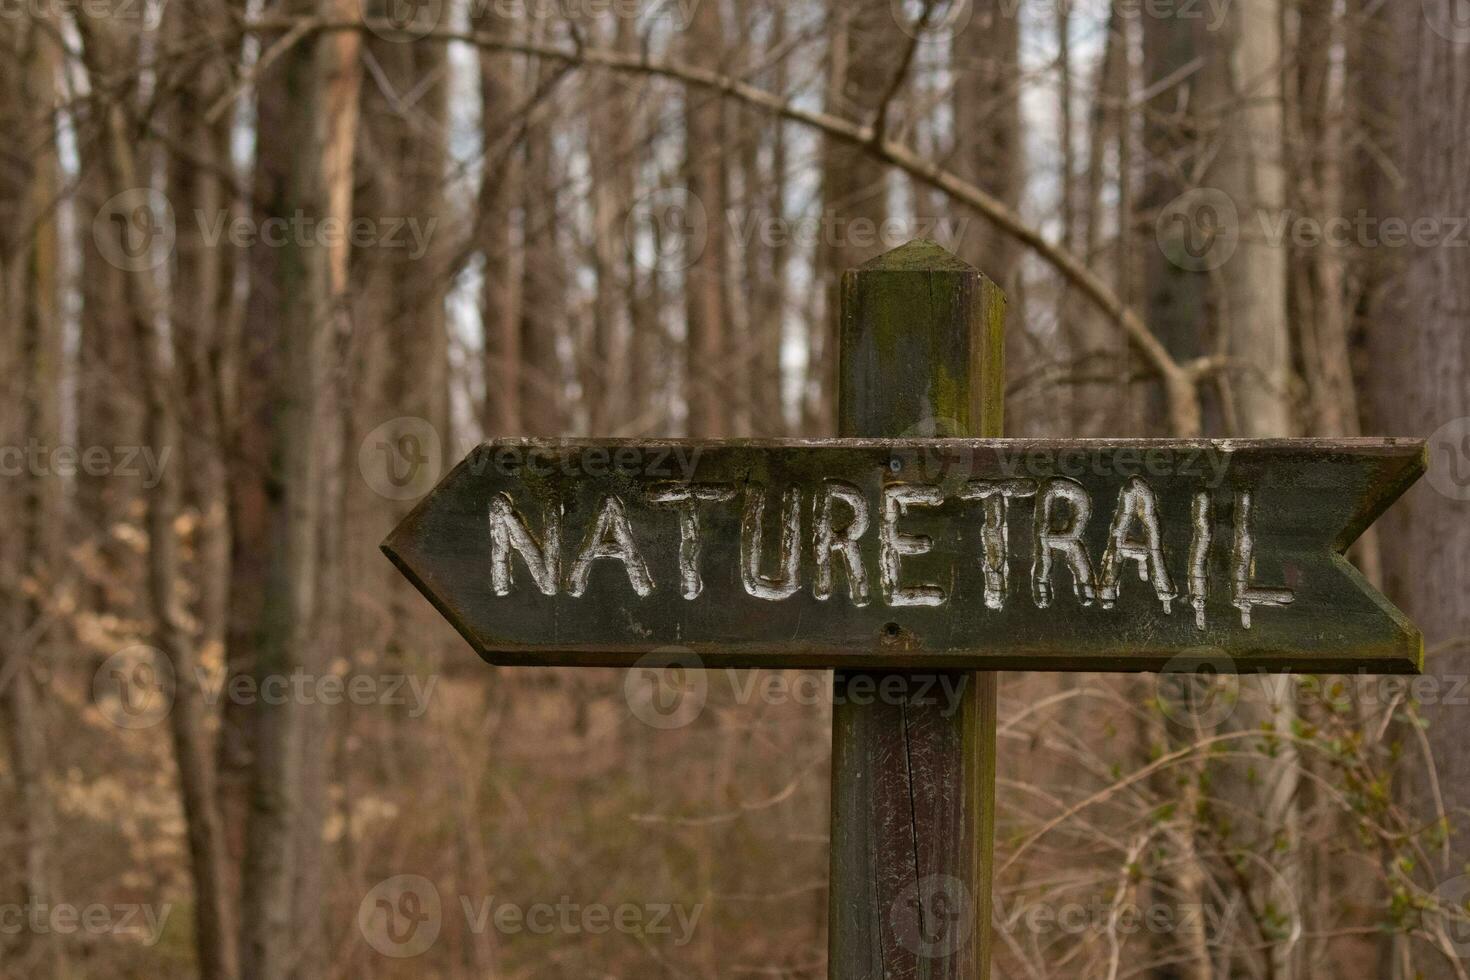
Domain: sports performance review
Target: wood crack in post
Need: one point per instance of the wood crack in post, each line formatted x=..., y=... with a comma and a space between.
x=908, y=756
x=880, y=930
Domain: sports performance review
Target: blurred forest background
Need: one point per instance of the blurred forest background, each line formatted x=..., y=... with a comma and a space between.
x=269, y=266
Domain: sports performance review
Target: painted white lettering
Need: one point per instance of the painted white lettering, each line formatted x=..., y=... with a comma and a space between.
x=830, y=541
x=1243, y=561
x=686, y=498
x=1065, y=540
x=1138, y=507
x=895, y=545
x=611, y=536
x=508, y=532
x=995, y=536
x=1202, y=515
x=785, y=584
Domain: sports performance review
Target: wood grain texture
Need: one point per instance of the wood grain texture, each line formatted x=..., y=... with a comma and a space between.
x=921, y=353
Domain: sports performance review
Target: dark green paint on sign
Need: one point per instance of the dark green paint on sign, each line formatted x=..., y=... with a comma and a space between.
x=931, y=553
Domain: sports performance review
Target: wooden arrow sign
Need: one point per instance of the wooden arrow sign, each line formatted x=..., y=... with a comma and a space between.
x=933, y=553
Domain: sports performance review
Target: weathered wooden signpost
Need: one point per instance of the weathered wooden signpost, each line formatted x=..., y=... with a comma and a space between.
x=903, y=560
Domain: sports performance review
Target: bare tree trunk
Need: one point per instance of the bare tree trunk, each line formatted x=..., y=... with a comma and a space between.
x=865, y=49
x=1100, y=356
x=30, y=374
x=1427, y=539
x=766, y=192
x=499, y=296
x=1176, y=293
x=201, y=299
x=214, y=921
x=707, y=351
x=340, y=79
x=541, y=315
x=1375, y=68
x=1065, y=96
x=1176, y=302
x=1241, y=88
x=606, y=356
x=989, y=147
x=296, y=315
x=1318, y=292
x=500, y=189
x=1243, y=101
x=1346, y=891
x=402, y=172
x=109, y=412
x=647, y=402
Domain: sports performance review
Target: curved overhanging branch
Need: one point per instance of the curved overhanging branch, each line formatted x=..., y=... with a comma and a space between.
x=1181, y=393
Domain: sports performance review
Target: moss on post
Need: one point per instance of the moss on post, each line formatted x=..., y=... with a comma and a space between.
x=913, y=777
